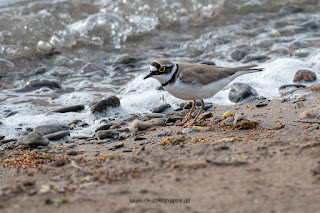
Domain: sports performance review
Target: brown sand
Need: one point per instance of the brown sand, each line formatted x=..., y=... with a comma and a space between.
x=263, y=170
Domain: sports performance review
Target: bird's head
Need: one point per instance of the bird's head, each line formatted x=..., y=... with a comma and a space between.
x=160, y=68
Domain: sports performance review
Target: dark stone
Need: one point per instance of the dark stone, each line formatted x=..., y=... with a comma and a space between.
x=41, y=70
x=205, y=115
x=139, y=138
x=11, y=114
x=261, y=103
x=127, y=150
x=309, y=25
x=103, y=127
x=103, y=105
x=173, y=120
x=208, y=63
x=305, y=75
x=288, y=9
x=75, y=108
x=102, y=134
x=50, y=128
x=124, y=120
x=117, y=146
x=240, y=91
x=37, y=84
x=259, y=58
x=289, y=88
x=57, y=135
x=124, y=59
x=161, y=108
x=33, y=140
x=237, y=55
x=189, y=104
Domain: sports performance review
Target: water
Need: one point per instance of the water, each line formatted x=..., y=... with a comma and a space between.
x=78, y=44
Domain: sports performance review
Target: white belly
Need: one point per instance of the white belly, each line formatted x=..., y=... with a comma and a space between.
x=195, y=91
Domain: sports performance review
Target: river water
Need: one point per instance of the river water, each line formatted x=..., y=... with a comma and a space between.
x=94, y=49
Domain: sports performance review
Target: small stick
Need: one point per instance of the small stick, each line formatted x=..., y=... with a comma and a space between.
x=310, y=122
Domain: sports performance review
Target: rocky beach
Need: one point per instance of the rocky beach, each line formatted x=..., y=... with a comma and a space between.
x=80, y=130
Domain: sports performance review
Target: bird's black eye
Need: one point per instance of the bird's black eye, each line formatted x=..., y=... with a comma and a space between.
x=162, y=69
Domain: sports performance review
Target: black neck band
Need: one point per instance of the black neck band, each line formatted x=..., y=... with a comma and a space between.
x=173, y=78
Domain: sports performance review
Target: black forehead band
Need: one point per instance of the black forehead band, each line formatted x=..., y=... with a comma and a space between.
x=155, y=64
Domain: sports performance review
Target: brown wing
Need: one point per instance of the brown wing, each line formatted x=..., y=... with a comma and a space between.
x=206, y=74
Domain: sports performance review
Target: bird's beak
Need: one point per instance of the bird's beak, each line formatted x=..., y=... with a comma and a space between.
x=148, y=76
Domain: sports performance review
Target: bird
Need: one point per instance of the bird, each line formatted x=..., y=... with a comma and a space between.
x=192, y=81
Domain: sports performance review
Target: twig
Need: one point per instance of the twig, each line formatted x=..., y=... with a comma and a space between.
x=309, y=122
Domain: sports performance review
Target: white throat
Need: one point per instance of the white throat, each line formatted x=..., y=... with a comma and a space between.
x=165, y=78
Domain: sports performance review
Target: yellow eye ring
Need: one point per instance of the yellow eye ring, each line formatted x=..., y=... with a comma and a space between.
x=162, y=69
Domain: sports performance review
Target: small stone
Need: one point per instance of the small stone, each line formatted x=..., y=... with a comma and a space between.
x=116, y=126
x=89, y=68
x=50, y=128
x=139, y=138
x=119, y=145
x=153, y=115
x=216, y=120
x=173, y=120
x=241, y=91
x=57, y=135
x=162, y=134
x=102, y=134
x=239, y=117
x=124, y=59
x=128, y=118
x=293, y=8
x=61, y=61
x=33, y=140
x=37, y=84
x=103, y=105
x=189, y=130
x=305, y=75
x=228, y=121
x=41, y=70
x=205, y=115
x=261, y=103
x=161, y=108
x=127, y=150
x=259, y=58
x=72, y=152
x=147, y=124
x=237, y=55
x=103, y=127
x=75, y=108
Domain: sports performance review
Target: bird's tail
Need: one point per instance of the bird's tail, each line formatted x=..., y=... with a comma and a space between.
x=248, y=68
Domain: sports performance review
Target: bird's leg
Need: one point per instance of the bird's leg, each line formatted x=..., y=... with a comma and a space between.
x=195, y=119
x=189, y=115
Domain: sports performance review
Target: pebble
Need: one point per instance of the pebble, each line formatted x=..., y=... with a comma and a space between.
x=292, y=8
x=103, y=127
x=162, y=134
x=153, y=115
x=216, y=120
x=189, y=130
x=50, y=128
x=103, y=105
x=61, y=61
x=289, y=88
x=161, y=108
x=305, y=75
x=72, y=152
x=127, y=150
x=259, y=58
x=146, y=124
x=41, y=70
x=239, y=117
x=261, y=103
x=57, y=135
x=37, y=84
x=102, y=134
x=33, y=140
x=240, y=91
x=205, y=115
x=237, y=55
x=119, y=145
x=139, y=138
x=128, y=118
x=173, y=119
x=124, y=59
x=75, y=108
x=228, y=121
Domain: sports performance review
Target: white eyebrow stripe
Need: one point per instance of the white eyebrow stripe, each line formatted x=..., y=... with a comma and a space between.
x=153, y=68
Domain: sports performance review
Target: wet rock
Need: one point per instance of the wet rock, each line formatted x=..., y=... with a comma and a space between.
x=61, y=61
x=289, y=88
x=127, y=150
x=143, y=125
x=305, y=75
x=189, y=104
x=124, y=59
x=261, y=103
x=41, y=70
x=37, y=84
x=50, y=128
x=139, y=138
x=313, y=113
x=162, y=134
x=288, y=9
x=6, y=64
x=57, y=135
x=259, y=58
x=228, y=121
x=216, y=120
x=309, y=25
x=239, y=117
x=237, y=55
x=33, y=140
x=75, y=108
x=189, y=130
x=173, y=119
x=103, y=105
x=103, y=127
x=161, y=108
x=124, y=120
x=88, y=68
x=240, y=91
x=102, y=134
